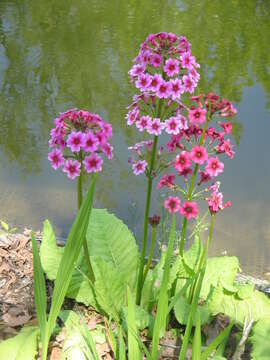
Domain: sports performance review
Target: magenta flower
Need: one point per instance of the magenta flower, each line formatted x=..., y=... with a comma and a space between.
x=72, y=168
x=143, y=122
x=198, y=155
x=227, y=126
x=189, y=209
x=215, y=202
x=182, y=161
x=172, y=204
x=75, y=141
x=173, y=125
x=93, y=163
x=214, y=166
x=56, y=158
x=187, y=61
x=132, y=116
x=171, y=67
x=188, y=84
x=156, y=60
x=155, y=127
x=166, y=180
x=90, y=142
x=143, y=82
x=226, y=147
x=139, y=167
x=176, y=89
x=163, y=91
x=107, y=149
x=136, y=70
x=197, y=116
x=204, y=177
x=155, y=82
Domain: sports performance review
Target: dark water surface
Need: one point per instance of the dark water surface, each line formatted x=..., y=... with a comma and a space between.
x=60, y=54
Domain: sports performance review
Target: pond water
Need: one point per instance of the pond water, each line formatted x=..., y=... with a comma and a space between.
x=61, y=54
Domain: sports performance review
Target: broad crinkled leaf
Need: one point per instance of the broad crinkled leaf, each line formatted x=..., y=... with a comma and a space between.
x=256, y=306
x=110, y=288
x=21, y=347
x=184, y=267
x=182, y=310
x=142, y=318
x=111, y=241
x=260, y=339
x=221, y=269
x=108, y=239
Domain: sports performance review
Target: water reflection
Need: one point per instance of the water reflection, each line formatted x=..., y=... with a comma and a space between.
x=55, y=55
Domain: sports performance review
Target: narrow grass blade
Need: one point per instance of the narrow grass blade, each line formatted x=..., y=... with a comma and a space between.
x=197, y=341
x=134, y=352
x=216, y=342
x=162, y=306
x=39, y=290
x=72, y=250
x=180, y=293
x=86, y=334
x=193, y=309
x=110, y=336
x=121, y=353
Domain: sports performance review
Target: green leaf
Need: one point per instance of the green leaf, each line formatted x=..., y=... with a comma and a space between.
x=110, y=240
x=184, y=267
x=162, y=306
x=21, y=347
x=39, y=290
x=260, y=340
x=216, y=342
x=222, y=269
x=4, y=226
x=134, y=352
x=245, y=291
x=182, y=310
x=256, y=306
x=197, y=341
x=50, y=253
x=110, y=288
x=71, y=252
x=142, y=317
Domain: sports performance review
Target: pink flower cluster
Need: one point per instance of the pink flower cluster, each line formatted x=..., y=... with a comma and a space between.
x=193, y=150
x=164, y=69
x=78, y=139
x=189, y=209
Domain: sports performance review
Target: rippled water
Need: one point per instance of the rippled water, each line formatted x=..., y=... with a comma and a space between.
x=60, y=54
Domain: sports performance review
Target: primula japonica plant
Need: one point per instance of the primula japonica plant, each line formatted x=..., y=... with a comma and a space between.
x=78, y=140
x=164, y=70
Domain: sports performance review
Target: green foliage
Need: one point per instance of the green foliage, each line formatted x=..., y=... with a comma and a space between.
x=110, y=241
x=162, y=305
x=22, y=346
x=112, y=249
x=142, y=317
x=256, y=306
x=134, y=352
x=197, y=341
x=221, y=269
x=5, y=228
x=39, y=291
x=260, y=340
x=79, y=341
x=182, y=310
x=72, y=250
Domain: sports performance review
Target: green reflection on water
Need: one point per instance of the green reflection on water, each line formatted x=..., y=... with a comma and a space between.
x=60, y=54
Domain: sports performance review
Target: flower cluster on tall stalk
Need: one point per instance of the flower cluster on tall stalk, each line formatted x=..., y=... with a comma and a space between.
x=165, y=73
x=164, y=70
x=78, y=141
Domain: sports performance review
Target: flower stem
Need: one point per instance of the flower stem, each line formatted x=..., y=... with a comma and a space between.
x=85, y=247
x=145, y=224
x=191, y=187
x=150, y=254
x=203, y=258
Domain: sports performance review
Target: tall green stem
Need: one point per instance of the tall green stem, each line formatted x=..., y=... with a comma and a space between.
x=191, y=187
x=85, y=247
x=145, y=223
x=150, y=254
